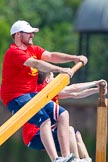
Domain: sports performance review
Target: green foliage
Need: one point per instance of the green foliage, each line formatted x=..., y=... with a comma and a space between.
x=98, y=57
x=4, y=41
x=4, y=32
x=74, y=4
x=49, y=11
x=41, y=12
x=59, y=38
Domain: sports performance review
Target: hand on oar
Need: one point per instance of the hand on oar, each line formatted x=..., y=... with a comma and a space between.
x=102, y=83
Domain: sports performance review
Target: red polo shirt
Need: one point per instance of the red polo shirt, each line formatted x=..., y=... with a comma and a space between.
x=18, y=79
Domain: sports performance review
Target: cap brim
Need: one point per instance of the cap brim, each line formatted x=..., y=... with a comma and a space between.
x=36, y=30
x=31, y=30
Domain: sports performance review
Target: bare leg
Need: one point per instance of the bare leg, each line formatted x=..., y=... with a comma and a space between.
x=81, y=146
x=63, y=133
x=47, y=139
x=73, y=142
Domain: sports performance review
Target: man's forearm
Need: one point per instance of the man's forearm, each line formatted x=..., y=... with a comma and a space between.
x=80, y=86
x=76, y=95
x=58, y=57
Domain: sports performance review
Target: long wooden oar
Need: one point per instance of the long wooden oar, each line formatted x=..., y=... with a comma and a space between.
x=101, y=132
x=35, y=104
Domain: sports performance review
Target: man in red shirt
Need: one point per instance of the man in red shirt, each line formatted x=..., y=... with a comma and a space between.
x=21, y=63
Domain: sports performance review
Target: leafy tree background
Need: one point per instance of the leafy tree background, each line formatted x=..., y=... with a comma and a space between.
x=55, y=20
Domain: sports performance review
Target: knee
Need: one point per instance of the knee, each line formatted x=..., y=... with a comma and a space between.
x=78, y=136
x=71, y=129
x=64, y=116
x=46, y=123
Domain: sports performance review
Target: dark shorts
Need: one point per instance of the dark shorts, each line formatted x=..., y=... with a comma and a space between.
x=50, y=111
x=36, y=142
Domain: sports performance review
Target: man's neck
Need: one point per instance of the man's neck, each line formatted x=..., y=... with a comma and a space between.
x=21, y=45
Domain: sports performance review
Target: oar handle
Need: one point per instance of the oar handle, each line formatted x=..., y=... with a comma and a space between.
x=102, y=87
x=77, y=66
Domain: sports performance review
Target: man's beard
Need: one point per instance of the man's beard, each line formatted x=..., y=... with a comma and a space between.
x=28, y=42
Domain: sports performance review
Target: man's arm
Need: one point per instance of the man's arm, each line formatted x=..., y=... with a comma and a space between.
x=81, y=90
x=77, y=95
x=57, y=57
x=46, y=67
x=82, y=86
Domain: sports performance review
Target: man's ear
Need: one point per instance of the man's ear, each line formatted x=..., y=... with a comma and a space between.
x=47, y=80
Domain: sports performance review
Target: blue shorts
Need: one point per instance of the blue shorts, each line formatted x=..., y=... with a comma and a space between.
x=36, y=142
x=50, y=111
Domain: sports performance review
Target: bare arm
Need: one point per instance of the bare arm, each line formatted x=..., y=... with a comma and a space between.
x=77, y=95
x=81, y=90
x=54, y=57
x=82, y=86
x=57, y=57
x=46, y=67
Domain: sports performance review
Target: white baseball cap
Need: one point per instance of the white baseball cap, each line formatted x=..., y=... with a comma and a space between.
x=23, y=26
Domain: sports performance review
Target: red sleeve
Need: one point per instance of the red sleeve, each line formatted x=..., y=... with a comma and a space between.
x=38, y=51
x=18, y=57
